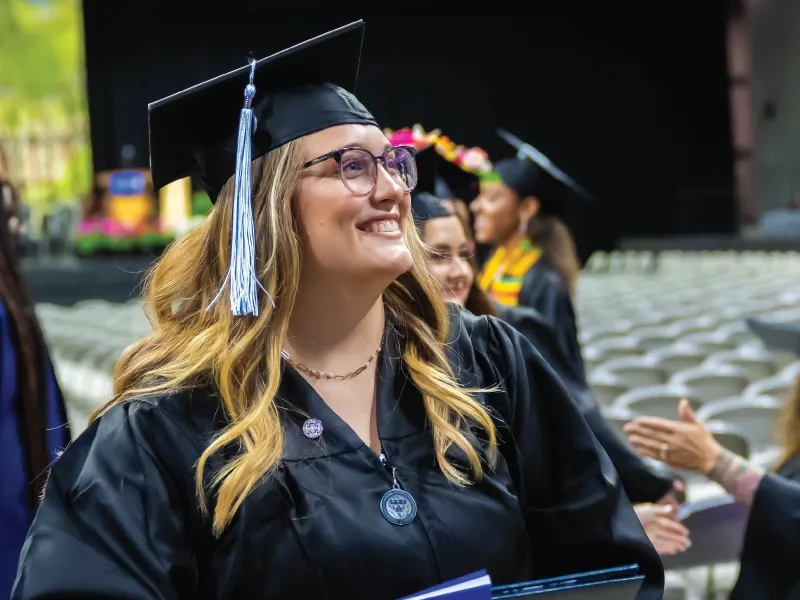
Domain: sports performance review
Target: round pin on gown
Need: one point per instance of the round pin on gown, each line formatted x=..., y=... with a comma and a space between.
x=398, y=507
x=312, y=428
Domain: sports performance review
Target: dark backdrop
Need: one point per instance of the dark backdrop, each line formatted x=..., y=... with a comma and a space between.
x=633, y=102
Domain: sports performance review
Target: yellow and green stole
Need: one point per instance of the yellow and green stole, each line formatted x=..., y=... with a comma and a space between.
x=504, y=273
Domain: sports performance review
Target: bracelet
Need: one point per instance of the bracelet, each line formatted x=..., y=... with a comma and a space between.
x=726, y=462
x=737, y=476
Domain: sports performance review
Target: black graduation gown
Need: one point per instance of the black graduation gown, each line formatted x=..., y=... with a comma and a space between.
x=543, y=290
x=119, y=517
x=640, y=481
x=771, y=552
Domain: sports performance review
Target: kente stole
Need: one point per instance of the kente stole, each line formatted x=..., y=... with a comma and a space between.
x=505, y=271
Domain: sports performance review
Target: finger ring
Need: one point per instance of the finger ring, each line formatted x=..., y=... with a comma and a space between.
x=663, y=453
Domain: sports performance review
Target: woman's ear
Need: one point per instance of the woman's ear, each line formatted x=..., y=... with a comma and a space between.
x=528, y=208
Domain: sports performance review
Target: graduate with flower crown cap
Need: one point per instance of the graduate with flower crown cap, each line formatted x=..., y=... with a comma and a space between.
x=524, y=210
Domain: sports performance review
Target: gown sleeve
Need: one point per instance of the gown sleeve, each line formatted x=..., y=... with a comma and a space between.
x=772, y=543
x=639, y=480
x=110, y=524
x=543, y=290
x=576, y=511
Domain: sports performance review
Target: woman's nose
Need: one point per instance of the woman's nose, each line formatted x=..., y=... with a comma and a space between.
x=387, y=189
x=458, y=268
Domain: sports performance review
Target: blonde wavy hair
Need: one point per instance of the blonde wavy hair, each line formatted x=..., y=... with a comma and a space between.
x=241, y=356
x=789, y=426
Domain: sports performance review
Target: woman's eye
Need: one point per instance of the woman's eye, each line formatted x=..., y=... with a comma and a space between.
x=352, y=166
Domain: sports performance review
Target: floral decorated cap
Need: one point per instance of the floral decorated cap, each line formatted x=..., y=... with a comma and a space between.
x=473, y=160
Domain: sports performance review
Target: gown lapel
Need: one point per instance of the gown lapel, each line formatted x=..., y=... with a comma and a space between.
x=398, y=414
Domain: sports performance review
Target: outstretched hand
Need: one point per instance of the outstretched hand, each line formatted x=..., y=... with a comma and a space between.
x=684, y=444
x=660, y=523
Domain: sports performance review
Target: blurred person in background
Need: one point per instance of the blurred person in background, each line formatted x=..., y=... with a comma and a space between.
x=33, y=422
x=451, y=261
x=520, y=211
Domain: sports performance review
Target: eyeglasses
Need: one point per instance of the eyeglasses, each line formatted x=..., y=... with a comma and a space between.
x=358, y=167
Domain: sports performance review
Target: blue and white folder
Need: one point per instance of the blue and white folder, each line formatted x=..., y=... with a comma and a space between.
x=620, y=583
x=475, y=586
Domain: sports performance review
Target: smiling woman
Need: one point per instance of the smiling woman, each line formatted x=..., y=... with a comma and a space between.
x=371, y=233
x=339, y=433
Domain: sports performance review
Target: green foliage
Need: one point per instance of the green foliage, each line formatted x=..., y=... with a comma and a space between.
x=42, y=90
x=42, y=46
x=201, y=204
x=98, y=244
x=91, y=244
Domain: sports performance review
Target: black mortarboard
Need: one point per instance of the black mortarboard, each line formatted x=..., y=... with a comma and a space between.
x=300, y=90
x=531, y=173
x=778, y=336
x=453, y=182
x=425, y=206
x=293, y=93
x=440, y=177
x=424, y=202
x=427, y=160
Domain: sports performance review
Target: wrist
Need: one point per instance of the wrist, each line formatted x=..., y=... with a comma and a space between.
x=712, y=459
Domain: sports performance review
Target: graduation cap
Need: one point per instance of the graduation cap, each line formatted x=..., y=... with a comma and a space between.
x=531, y=173
x=425, y=204
x=438, y=176
x=216, y=128
x=778, y=336
x=453, y=182
x=427, y=164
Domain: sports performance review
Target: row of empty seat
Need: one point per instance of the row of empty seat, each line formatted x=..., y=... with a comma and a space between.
x=654, y=330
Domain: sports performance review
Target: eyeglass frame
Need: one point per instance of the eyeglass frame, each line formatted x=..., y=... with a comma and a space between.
x=339, y=152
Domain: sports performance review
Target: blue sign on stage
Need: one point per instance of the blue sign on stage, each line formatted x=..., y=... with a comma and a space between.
x=126, y=183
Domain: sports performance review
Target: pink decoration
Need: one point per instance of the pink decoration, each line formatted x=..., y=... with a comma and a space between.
x=89, y=226
x=401, y=137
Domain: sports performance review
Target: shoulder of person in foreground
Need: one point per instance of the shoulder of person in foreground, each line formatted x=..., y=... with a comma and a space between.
x=544, y=290
x=641, y=482
x=576, y=510
x=772, y=539
x=116, y=517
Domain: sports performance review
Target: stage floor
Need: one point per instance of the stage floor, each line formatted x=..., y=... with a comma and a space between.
x=67, y=280
x=747, y=241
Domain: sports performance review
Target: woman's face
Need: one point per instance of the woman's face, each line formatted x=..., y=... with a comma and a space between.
x=450, y=253
x=343, y=234
x=497, y=214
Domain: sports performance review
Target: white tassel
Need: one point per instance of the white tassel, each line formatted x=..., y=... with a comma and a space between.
x=241, y=275
x=243, y=279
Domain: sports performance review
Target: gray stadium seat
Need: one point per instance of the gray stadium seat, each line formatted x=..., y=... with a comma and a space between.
x=756, y=418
